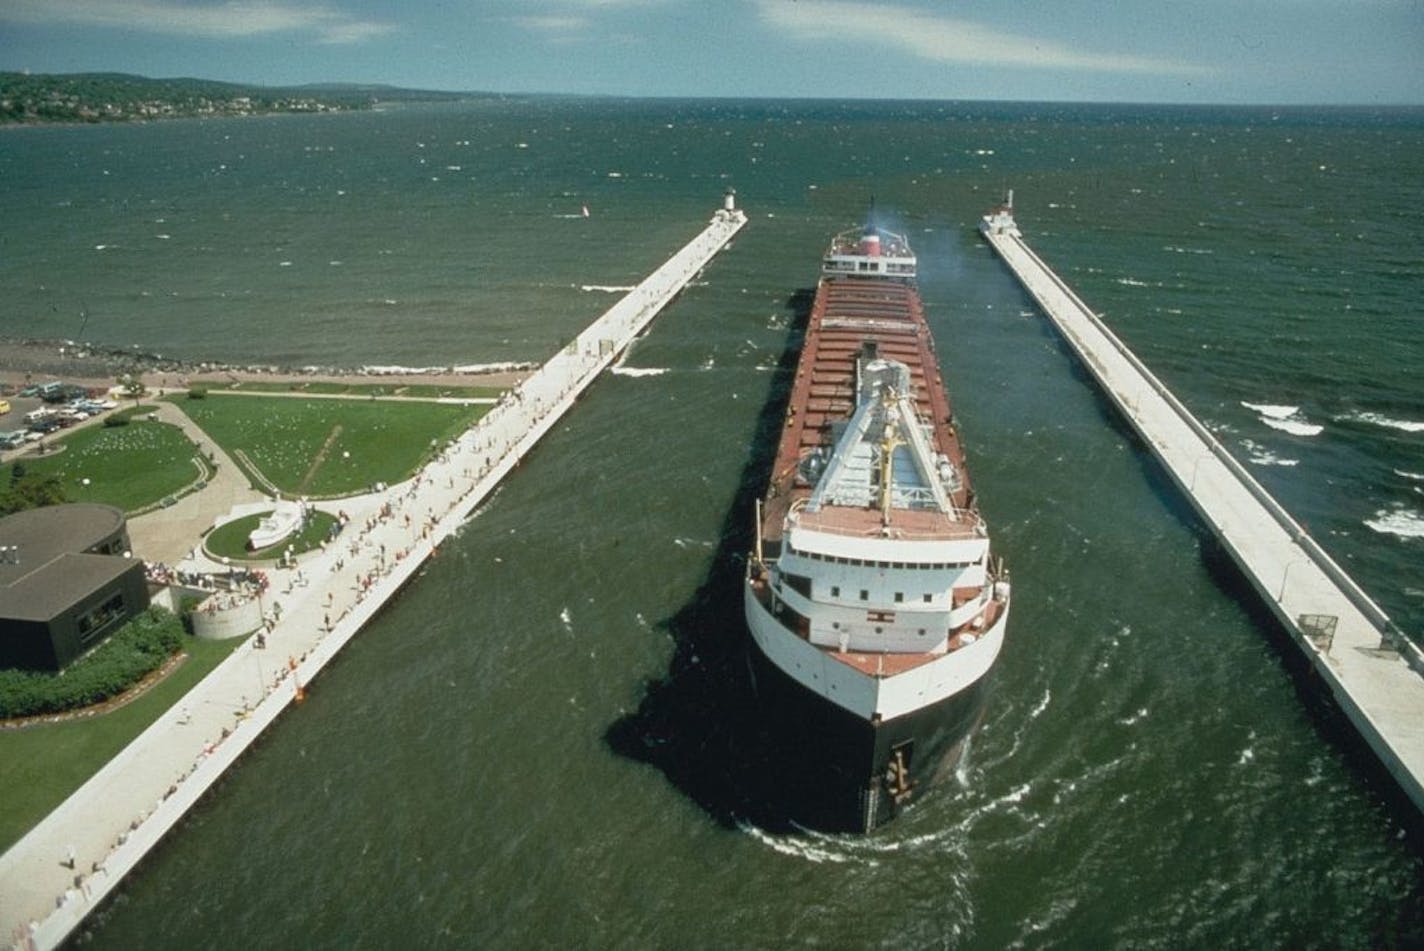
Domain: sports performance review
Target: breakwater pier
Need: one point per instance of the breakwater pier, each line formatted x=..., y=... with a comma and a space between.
x=1373, y=671
x=76, y=856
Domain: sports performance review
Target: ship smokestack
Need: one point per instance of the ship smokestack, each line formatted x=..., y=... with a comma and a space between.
x=870, y=244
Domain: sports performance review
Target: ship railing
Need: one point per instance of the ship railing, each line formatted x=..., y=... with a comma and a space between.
x=956, y=532
x=913, y=498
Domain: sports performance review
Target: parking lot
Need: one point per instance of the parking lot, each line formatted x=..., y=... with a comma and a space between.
x=45, y=409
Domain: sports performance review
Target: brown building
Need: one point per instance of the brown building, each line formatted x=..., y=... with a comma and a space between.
x=66, y=583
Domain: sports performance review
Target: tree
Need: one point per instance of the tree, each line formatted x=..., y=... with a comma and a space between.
x=132, y=386
x=30, y=491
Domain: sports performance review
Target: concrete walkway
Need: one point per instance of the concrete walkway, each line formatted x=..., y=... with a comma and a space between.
x=1375, y=674
x=111, y=822
x=169, y=534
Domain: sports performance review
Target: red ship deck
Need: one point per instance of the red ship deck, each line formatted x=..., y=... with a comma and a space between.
x=847, y=313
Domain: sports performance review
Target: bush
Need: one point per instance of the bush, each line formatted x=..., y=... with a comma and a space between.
x=197, y=393
x=116, y=419
x=136, y=650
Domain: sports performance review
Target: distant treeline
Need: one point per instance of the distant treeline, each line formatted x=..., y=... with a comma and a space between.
x=118, y=97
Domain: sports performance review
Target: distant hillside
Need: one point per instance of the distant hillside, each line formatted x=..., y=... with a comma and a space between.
x=118, y=97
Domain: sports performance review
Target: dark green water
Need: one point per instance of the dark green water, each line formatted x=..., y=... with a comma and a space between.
x=542, y=742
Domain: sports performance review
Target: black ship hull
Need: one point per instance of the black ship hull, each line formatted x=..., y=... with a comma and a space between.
x=839, y=772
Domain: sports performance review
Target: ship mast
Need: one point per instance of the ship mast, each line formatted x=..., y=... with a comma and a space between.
x=888, y=444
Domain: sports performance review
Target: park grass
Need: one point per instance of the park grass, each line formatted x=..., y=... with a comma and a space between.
x=131, y=467
x=230, y=540
x=436, y=391
x=40, y=766
x=325, y=448
x=429, y=391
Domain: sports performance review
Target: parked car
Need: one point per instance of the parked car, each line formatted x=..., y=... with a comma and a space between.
x=47, y=424
x=63, y=393
x=12, y=439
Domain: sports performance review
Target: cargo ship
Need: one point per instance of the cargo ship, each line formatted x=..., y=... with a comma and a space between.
x=875, y=606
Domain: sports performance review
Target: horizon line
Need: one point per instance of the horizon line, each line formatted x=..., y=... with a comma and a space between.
x=759, y=97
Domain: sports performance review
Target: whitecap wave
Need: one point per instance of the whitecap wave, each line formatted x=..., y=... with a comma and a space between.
x=1178, y=250
x=1378, y=419
x=1406, y=523
x=1132, y=282
x=507, y=367
x=1287, y=419
x=794, y=846
x=1042, y=704
x=608, y=288
x=1274, y=411
x=1295, y=427
x=1411, y=476
x=1133, y=718
x=1261, y=456
x=638, y=371
x=397, y=370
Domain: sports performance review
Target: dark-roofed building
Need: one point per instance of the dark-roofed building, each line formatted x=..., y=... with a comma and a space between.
x=66, y=583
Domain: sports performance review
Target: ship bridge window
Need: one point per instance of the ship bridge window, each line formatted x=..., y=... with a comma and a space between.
x=798, y=583
x=864, y=594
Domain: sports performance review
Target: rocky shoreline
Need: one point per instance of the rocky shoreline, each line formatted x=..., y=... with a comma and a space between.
x=36, y=361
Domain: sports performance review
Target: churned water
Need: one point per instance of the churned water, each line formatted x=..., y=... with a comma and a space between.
x=548, y=739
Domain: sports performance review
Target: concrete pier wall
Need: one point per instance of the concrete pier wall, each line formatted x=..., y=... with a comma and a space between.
x=1375, y=673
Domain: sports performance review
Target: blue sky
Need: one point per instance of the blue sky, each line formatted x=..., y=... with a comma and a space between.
x=1216, y=51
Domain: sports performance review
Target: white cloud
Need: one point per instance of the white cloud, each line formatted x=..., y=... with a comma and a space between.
x=944, y=39
x=226, y=20
x=552, y=24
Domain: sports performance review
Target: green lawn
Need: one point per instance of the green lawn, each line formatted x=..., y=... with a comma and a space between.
x=419, y=390
x=128, y=466
x=41, y=765
x=323, y=447
x=230, y=540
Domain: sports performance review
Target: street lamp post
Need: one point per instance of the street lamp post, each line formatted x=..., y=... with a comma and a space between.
x=1284, y=575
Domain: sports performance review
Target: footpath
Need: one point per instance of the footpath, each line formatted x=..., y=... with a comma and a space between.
x=67, y=864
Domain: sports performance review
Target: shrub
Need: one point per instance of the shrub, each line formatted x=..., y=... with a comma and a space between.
x=116, y=419
x=197, y=393
x=134, y=651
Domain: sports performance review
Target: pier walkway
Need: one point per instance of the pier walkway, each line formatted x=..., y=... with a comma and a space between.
x=68, y=863
x=1373, y=671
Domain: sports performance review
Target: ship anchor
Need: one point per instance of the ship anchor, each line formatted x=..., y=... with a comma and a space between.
x=897, y=778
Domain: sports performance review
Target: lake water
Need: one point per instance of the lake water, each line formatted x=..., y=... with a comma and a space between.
x=548, y=739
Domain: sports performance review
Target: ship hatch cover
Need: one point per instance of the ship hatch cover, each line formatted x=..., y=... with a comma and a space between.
x=883, y=457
